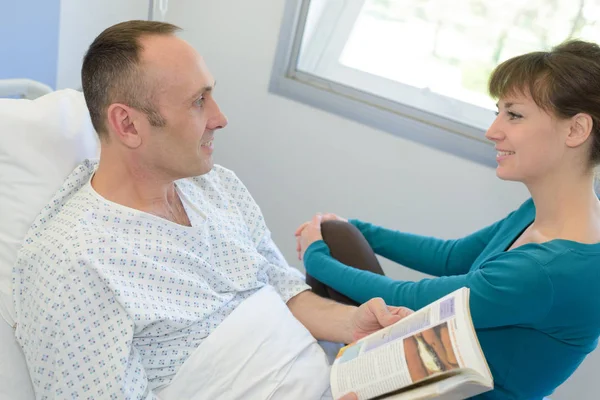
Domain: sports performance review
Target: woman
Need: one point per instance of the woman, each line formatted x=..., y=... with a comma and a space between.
x=534, y=275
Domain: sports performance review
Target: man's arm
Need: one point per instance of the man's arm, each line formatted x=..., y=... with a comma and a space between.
x=328, y=320
x=325, y=319
x=76, y=337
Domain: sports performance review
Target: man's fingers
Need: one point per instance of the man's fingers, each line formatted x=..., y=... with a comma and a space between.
x=396, y=315
x=402, y=312
x=349, y=396
x=382, y=312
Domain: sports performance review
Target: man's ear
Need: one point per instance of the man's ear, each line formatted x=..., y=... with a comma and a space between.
x=580, y=129
x=121, y=122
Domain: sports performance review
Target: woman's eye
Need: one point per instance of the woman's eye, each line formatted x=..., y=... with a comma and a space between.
x=513, y=115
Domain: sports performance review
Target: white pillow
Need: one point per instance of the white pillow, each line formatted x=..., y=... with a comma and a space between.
x=41, y=142
x=15, y=383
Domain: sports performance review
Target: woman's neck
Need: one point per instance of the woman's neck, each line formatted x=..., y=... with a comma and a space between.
x=567, y=208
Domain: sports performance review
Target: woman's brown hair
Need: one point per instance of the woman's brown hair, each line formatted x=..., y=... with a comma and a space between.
x=564, y=81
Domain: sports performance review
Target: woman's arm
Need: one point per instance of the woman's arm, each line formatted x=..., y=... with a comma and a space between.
x=510, y=289
x=429, y=255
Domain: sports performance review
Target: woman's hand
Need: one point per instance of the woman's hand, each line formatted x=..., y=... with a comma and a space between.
x=333, y=217
x=307, y=234
x=305, y=239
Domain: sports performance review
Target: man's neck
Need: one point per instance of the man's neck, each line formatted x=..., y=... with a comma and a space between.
x=133, y=186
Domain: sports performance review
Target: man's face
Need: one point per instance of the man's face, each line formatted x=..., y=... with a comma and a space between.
x=181, y=88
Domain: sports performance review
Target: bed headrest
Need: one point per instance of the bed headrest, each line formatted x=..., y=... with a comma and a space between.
x=41, y=142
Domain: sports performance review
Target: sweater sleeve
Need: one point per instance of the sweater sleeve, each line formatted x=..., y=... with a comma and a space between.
x=429, y=255
x=509, y=289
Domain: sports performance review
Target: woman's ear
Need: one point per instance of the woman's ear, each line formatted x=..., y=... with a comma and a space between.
x=580, y=129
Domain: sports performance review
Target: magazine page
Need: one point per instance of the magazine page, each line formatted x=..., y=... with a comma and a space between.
x=421, y=346
x=463, y=385
x=470, y=351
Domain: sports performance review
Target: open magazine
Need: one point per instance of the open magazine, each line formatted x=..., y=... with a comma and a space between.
x=431, y=354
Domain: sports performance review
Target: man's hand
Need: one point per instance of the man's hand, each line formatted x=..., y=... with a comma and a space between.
x=375, y=315
x=327, y=320
x=349, y=396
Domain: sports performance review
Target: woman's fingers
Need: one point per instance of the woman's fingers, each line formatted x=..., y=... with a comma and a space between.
x=301, y=228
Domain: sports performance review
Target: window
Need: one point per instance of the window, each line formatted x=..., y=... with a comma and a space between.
x=417, y=68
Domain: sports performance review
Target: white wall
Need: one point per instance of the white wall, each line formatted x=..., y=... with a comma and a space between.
x=29, y=39
x=80, y=22
x=297, y=160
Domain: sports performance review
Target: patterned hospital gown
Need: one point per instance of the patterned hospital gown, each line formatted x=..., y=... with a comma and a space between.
x=111, y=301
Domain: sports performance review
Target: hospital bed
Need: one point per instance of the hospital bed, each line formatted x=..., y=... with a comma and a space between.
x=23, y=88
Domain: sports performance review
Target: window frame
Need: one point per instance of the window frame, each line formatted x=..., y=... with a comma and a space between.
x=403, y=120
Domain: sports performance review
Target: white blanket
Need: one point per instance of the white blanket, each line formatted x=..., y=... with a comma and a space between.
x=261, y=351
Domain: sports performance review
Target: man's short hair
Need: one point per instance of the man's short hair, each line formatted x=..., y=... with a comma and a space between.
x=111, y=71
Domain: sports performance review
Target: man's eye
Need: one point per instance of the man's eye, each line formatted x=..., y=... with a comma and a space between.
x=199, y=101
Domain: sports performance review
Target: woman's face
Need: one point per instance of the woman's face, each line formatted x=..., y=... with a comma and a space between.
x=530, y=143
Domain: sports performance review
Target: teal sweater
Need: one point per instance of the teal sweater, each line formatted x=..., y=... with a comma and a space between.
x=536, y=308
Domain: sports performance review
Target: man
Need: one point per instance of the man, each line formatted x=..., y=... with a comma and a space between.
x=138, y=260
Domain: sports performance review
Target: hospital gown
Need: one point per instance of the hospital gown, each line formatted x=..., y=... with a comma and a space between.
x=111, y=301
